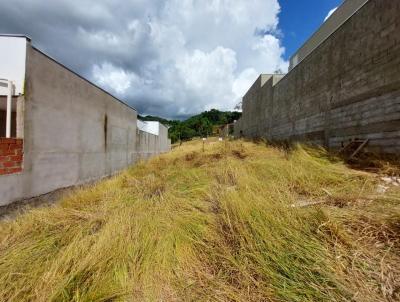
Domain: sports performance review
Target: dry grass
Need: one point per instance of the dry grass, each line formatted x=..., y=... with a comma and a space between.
x=219, y=225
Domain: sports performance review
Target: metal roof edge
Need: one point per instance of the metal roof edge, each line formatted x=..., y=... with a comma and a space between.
x=16, y=36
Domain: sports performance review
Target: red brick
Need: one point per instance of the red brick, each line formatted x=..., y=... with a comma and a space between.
x=11, y=155
x=5, y=140
x=9, y=164
x=17, y=158
x=7, y=152
x=15, y=170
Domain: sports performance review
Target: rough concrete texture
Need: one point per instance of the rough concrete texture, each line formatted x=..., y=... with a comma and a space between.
x=73, y=132
x=349, y=87
x=148, y=144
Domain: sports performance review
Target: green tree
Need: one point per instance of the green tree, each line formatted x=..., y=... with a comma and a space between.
x=200, y=125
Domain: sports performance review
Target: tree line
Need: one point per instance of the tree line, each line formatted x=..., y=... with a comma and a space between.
x=200, y=125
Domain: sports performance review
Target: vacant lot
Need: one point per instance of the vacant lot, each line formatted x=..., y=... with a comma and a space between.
x=236, y=222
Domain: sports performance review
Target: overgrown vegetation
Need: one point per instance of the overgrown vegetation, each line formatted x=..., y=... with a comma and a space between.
x=237, y=222
x=200, y=125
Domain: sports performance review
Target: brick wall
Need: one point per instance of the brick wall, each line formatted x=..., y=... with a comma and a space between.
x=11, y=155
x=347, y=88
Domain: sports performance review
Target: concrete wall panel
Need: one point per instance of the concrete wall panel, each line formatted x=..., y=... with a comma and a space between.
x=67, y=138
x=54, y=170
x=73, y=131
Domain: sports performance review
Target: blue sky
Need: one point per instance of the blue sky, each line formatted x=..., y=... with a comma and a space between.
x=172, y=58
x=299, y=19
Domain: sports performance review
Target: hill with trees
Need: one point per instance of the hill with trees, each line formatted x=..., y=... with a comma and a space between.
x=199, y=125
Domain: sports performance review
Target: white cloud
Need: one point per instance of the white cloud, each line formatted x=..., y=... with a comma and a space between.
x=271, y=52
x=170, y=57
x=243, y=82
x=201, y=70
x=209, y=77
x=330, y=13
x=114, y=78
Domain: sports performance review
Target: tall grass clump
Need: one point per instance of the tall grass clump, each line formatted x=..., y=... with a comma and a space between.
x=236, y=222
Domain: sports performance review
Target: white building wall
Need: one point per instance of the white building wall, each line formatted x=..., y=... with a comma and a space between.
x=149, y=126
x=13, y=61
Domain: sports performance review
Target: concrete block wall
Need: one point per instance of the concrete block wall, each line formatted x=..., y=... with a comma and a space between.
x=348, y=87
x=11, y=155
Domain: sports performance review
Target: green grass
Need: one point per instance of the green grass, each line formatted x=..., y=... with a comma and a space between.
x=227, y=224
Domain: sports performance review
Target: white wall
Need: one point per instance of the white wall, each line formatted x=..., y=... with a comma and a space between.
x=149, y=126
x=13, y=60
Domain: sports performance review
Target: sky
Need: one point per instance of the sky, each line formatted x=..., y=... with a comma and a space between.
x=171, y=58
